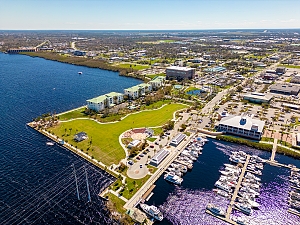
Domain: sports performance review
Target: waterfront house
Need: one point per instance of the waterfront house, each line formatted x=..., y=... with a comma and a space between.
x=80, y=136
x=242, y=125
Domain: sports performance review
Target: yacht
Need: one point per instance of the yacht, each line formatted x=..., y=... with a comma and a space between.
x=173, y=178
x=222, y=193
x=215, y=210
x=79, y=72
x=152, y=211
x=223, y=186
x=239, y=220
x=246, y=209
x=50, y=143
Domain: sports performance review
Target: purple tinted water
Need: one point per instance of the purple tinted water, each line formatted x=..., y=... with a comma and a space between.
x=186, y=204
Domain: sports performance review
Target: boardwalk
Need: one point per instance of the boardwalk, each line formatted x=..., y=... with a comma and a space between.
x=274, y=149
x=234, y=195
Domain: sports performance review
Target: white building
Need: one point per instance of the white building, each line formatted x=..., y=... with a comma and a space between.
x=138, y=90
x=157, y=82
x=244, y=126
x=104, y=101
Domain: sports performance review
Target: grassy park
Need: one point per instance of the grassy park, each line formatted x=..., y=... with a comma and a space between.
x=103, y=142
x=133, y=66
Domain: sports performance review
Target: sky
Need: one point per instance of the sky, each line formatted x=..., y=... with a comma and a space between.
x=148, y=14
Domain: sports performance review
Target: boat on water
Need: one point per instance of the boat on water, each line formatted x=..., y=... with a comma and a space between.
x=79, y=72
x=215, y=210
x=223, y=186
x=152, y=211
x=50, y=143
x=173, y=178
x=239, y=220
x=222, y=193
x=246, y=209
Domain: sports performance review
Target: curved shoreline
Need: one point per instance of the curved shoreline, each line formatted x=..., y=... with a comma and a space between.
x=87, y=62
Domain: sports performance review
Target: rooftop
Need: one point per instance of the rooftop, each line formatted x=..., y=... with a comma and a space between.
x=243, y=122
x=261, y=96
x=179, y=68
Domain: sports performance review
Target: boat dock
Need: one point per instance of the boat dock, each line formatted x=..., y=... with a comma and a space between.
x=234, y=196
x=189, y=166
x=293, y=212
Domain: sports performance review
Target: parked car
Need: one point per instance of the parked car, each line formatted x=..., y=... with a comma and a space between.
x=141, y=165
x=156, y=143
x=151, y=146
x=130, y=162
x=138, y=158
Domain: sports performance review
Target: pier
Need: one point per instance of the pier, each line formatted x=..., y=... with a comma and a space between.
x=274, y=149
x=234, y=196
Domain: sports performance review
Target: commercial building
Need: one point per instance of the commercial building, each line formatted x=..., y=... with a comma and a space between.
x=286, y=89
x=18, y=50
x=258, y=97
x=296, y=79
x=280, y=70
x=242, y=125
x=79, y=53
x=104, y=101
x=177, y=140
x=138, y=90
x=216, y=69
x=179, y=73
x=159, y=157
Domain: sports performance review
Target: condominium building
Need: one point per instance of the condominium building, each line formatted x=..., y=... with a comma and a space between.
x=104, y=101
x=138, y=90
x=157, y=82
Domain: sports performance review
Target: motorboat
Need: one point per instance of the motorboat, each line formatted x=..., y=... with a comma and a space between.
x=50, y=143
x=222, y=193
x=223, y=186
x=244, y=208
x=152, y=211
x=173, y=178
x=215, y=210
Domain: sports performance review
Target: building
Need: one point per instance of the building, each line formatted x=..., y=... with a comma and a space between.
x=296, y=79
x=179, y=73
x=244, y=126
x=159, y=157
x=104, y=101
x=216, y=69
x=157, y=82
x=18, y=50
x=177, y=140
x=133, y=144
x=80, y=136
x=138, y=90
x=258, y=97
x=79, y=53
x=290, y=106
x=280, y=70
x=285, y=88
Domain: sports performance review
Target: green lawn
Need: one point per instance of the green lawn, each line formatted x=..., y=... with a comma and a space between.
x=133, y=186
x=78, y=113
x=133, y=66
x=157, y=130
x=155, y=75
x=117, y=202
x=290, y=66
x=151, y=139
x=103, y=142
x=156, y=105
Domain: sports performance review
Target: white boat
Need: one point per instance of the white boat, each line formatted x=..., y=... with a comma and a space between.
x=223, y=186
x=50, y=143
x=246, y=209
x=222, y=193
x=239, y=220
x=173, y=178
x=215, y=210
x=152, y=211
x=79, y=72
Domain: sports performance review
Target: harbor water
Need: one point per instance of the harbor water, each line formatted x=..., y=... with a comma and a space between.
x=186, y=204
x=37, y=181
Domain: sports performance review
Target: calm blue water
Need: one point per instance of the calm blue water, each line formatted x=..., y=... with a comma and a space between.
x=37, y=184
x=186, y=204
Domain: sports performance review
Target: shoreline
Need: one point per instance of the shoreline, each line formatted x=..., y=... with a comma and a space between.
x=87, y=62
